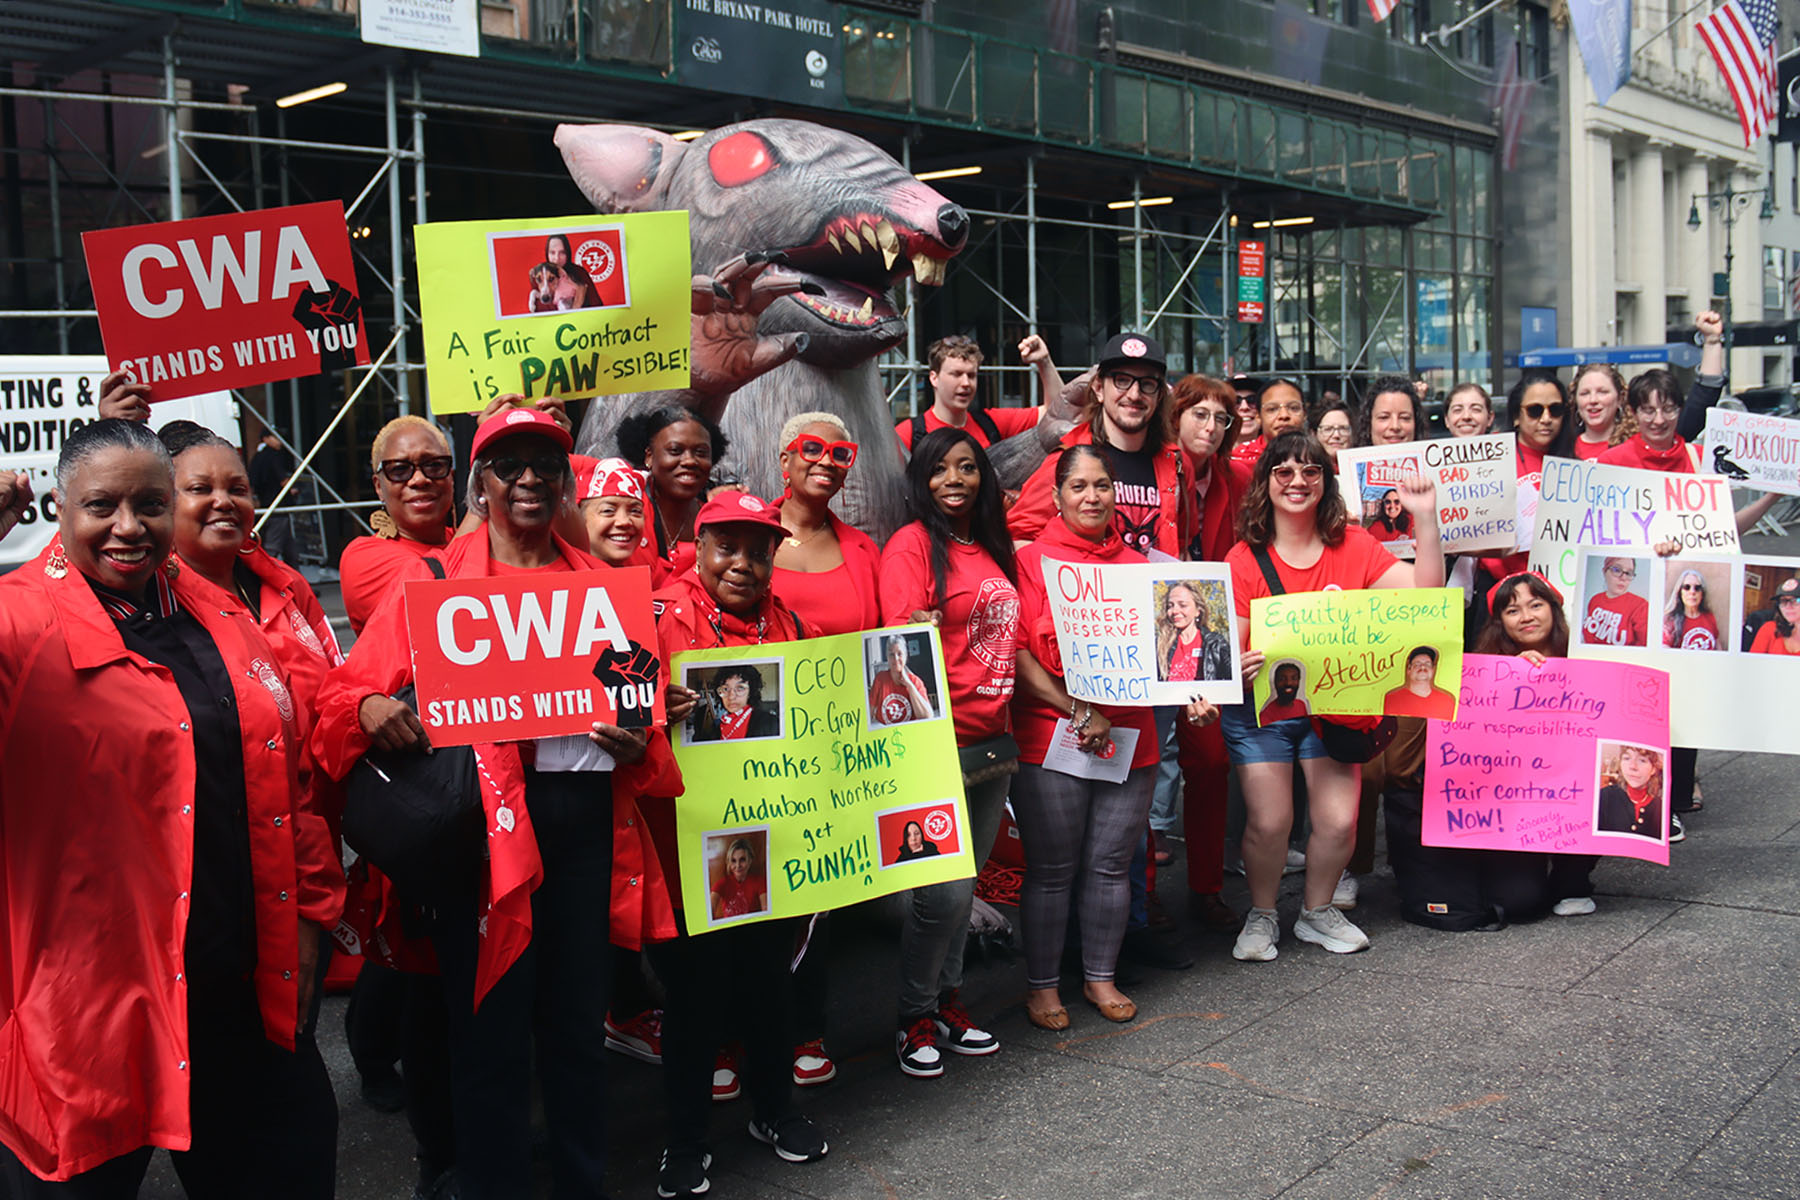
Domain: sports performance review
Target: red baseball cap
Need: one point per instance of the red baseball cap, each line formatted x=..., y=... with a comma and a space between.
x=520, y=420
x=731, y=507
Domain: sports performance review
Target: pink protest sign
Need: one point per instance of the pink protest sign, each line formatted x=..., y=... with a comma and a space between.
x=1570, y=757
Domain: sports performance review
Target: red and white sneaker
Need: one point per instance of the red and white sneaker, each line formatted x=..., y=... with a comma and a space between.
x=812, y=1066
x=958, y=1031
x=638, y=1037
x=725, y=1077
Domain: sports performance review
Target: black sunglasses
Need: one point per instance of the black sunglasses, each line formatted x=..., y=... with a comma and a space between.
x=1536, y=411
x=399, y=470
x=544, y=466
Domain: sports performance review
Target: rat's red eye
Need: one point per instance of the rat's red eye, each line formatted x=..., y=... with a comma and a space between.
x=738, y=159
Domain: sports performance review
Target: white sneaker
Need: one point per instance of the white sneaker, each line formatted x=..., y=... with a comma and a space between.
x=1331, y=929
x=1574, y=906
x=1296, y=861
x=1343, y=896
x=1256, y=942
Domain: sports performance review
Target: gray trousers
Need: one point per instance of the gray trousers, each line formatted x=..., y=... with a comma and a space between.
x=935, y=926
x=1077, y=833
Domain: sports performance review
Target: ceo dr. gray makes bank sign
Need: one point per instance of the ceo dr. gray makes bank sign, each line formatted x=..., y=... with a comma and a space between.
x=788, y=51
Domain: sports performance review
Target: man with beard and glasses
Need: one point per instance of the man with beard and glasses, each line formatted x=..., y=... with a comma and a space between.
x=1127, y=418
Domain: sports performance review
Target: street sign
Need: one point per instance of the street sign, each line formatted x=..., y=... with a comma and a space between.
x=1250, y=312
x=1252, y=284
x=1250, y=259
x=1251, y=289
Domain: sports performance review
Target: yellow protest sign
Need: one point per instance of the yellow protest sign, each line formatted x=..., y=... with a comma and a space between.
x=819, y=773
x=1381, y=650
x=553, y=306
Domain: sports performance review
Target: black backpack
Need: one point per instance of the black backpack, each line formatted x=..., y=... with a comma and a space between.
x=979, y=416
x=1456, y=890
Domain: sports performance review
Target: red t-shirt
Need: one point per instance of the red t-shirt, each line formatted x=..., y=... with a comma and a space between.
x=1698, y=633
x=1248, y=452
x=1273, y=711
x=1617, y=621
x=1590, y=451
x=1769, y=641
x=1359, y=561
x=368, y=569
x=825, y=600
x=889, y=703
x=979, y=628
x=1382, y=533
x=1184, y=661
x=1404, y=702
x=1633, y=452
x=740, y=899
x=1009, y=421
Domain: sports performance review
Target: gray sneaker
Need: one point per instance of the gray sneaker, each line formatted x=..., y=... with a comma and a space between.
x=1256, y=942
x=1331, y=929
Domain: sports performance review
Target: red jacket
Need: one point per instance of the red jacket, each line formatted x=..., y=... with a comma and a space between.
x=93, y=1009
x=1210, y=527
x=1036, y=506
x=368, y=569
x=380, y=664
x=688, y=619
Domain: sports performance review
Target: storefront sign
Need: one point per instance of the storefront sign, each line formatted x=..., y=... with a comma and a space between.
x=785, y=50
x=446, y=26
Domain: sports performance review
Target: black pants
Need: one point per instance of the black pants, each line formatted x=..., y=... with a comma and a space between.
x=1682, y=763
x=733, y=981
x=264, y=1119
x=554, y=995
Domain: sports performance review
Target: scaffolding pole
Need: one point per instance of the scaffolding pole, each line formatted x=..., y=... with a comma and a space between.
x=1031, y=270
x=396, y=243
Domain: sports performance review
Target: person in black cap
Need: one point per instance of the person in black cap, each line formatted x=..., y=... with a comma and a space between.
x=1126, y=415
x=1251, y=439
x=1753, y=624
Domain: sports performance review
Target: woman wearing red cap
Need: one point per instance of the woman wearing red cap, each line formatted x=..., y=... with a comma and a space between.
x=725, y=599
x=524, y=961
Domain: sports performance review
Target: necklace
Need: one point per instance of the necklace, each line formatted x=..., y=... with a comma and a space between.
x=796, y=543
x=962, y=541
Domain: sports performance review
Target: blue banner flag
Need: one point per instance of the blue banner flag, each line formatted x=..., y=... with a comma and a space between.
x=1603, y=31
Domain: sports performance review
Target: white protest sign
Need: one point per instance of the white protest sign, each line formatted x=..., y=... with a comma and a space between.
x=1753, y=450
x=45, y=398
x=1477, y=491
x=1144, y=634
x=1688, y=615
x=1621, y=508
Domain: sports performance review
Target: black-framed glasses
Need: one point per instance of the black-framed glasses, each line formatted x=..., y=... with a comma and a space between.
x=1536, y=411
x=1124, y=381
x=400, y=470
x=1622, y=572
x=544, y=466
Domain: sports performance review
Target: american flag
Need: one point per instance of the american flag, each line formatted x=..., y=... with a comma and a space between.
x=1381, y=9
x=1741, y=36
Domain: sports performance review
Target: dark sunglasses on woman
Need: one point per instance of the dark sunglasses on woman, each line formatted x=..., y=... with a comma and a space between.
x=399, y=470
x=815, y=449
x=544, y=466
x=1536, y=411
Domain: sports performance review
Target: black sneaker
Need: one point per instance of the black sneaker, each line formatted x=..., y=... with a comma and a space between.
x=917, y=1047
x=683, y=1173
x=794, y=1138
x=382, y=1088
x=958, y=1032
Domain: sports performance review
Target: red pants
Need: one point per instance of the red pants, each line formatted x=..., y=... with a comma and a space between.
x=1205, y=772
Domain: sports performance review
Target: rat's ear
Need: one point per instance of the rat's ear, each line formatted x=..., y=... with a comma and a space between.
x=620, y=168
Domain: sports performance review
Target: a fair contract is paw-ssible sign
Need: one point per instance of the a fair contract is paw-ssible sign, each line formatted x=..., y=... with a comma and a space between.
x=819, y=773
x=228, y=301
x=1144, y=634
x=1358, y=653
x=566, y=307
x=510, y=659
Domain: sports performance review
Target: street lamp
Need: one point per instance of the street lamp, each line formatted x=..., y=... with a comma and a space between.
x=1730, y=203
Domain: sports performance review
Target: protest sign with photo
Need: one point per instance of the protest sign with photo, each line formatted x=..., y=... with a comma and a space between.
x=1570, y=757
x=1623, y=509
x=44, y=399
x=556, y=306
x=503, y=659
x=815, y=777
x=1752, y=450
x=1723, y=627
x=1477, y=488
x=228, y=301
x=1358, y=653
x=1143, y=634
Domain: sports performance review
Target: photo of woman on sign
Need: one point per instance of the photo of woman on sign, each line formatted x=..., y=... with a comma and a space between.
x=913, y=844
x=896, y=693
x=1188, y=647
x=1631, y=792
x=740, y=887
x=1617, y=612
x=1689, y=622
x=732, y=706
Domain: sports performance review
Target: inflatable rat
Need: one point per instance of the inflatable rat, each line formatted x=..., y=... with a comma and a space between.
x=843, y=224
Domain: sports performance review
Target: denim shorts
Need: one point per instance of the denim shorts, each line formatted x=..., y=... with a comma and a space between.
x=1292, y=740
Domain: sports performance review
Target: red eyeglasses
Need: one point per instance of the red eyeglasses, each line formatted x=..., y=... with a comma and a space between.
x=816, y=449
